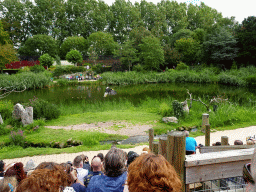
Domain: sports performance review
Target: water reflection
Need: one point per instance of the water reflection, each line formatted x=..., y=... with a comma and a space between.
x=135, y=93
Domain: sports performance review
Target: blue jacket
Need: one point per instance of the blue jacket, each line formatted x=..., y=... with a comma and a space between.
x=103, y=183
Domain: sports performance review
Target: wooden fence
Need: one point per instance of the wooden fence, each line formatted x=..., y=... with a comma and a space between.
x=216, y=162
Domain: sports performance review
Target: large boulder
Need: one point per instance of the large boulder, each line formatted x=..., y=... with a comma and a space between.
x=26, y=115
x=170, y=120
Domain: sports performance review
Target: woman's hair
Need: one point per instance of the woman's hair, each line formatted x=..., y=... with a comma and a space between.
x=8, y=183
x=45, y=180
x=17, y=171
x=47, y=165
x=152, y=173
x=114, y=162
x=67, y=167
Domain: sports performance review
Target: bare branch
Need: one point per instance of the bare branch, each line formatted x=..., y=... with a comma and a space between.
x=7, y=91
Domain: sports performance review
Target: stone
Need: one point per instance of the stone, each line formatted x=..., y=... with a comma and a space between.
x=18, y=111
x=170, y=120
x=26, y=115
x=1, y=120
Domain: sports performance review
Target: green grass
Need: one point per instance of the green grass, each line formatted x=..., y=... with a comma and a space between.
x=11, y=152
x=130, y=115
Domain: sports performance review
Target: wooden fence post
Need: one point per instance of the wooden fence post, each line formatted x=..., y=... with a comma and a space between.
x=207, y=135
x=205, y=120
x=224, y=140
x=162, y=146
x=155, y=147
x=176, y=153
x=151, y=139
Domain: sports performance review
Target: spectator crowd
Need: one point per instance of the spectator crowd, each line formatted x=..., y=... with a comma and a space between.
x=116, y=172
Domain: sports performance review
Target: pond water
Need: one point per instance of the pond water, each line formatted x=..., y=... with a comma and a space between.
x=133, y=93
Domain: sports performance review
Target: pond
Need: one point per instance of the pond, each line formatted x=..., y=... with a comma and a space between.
x=134, y=93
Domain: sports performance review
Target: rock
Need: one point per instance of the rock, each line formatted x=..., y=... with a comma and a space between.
x=1, y=120
x=170, y=120
x=18, y=111
x=26, y=115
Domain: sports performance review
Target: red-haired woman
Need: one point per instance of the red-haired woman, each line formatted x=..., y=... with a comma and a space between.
x=152, y=173
x=16, y=170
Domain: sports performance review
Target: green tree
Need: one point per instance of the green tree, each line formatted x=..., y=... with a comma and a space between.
x=78, y=43
x=102, y=43
x=189, y=49
x=93, y=55
x=74, y=57
x=220, y=48
x=7, y=51
x=39, y=45
x=203, y=16
x=14, y=18
x=46, y=60
x=137, y=34
x=171, y=56
x=152, y=53
x=7, y=55
x=246, y=37
x=128, y=53
x=183, y=33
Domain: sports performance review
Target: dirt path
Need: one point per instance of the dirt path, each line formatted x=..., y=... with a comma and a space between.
x=121, y=128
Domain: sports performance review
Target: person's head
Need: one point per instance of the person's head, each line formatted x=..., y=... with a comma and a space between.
x=8, y=184
x=238, y=142
x=131, y=157
x=45, y=180
x=78, y=162
x=217, y=143
x=30, y=165
x=84, y=158
x=16, y=170
x=186, y=133
x=114, y=162
x=47, y=165
x=101, y=156
x=250, y=142
x=96, y=164
x=152, y=173
x=2, y=164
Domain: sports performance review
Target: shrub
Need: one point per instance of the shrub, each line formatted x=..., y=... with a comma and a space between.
x=37, y=69
x=46, y=60
x=181, y=66
x=251, y=80
x=24, y=69
x=138, y=68
x=177, y=109
x=165, y=110
x=17, y=138
x=6, y=108
x=74, y=57
x=43, y=109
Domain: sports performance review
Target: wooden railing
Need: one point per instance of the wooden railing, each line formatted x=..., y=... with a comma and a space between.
x=217, y=162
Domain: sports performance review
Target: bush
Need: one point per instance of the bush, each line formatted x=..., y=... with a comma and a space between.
x=251, y=80
x=138, y=68
x=46, y=60
x=6, y=108
x=17, y=138
x=37, y=69
x=165, y=110
x=177, y=109
x=24, y=69
x=181, y=66
x=62, y=70
x=43, y=109
x=74, y=57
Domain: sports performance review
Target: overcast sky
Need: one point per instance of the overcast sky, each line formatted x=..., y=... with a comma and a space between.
x=240, y=9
